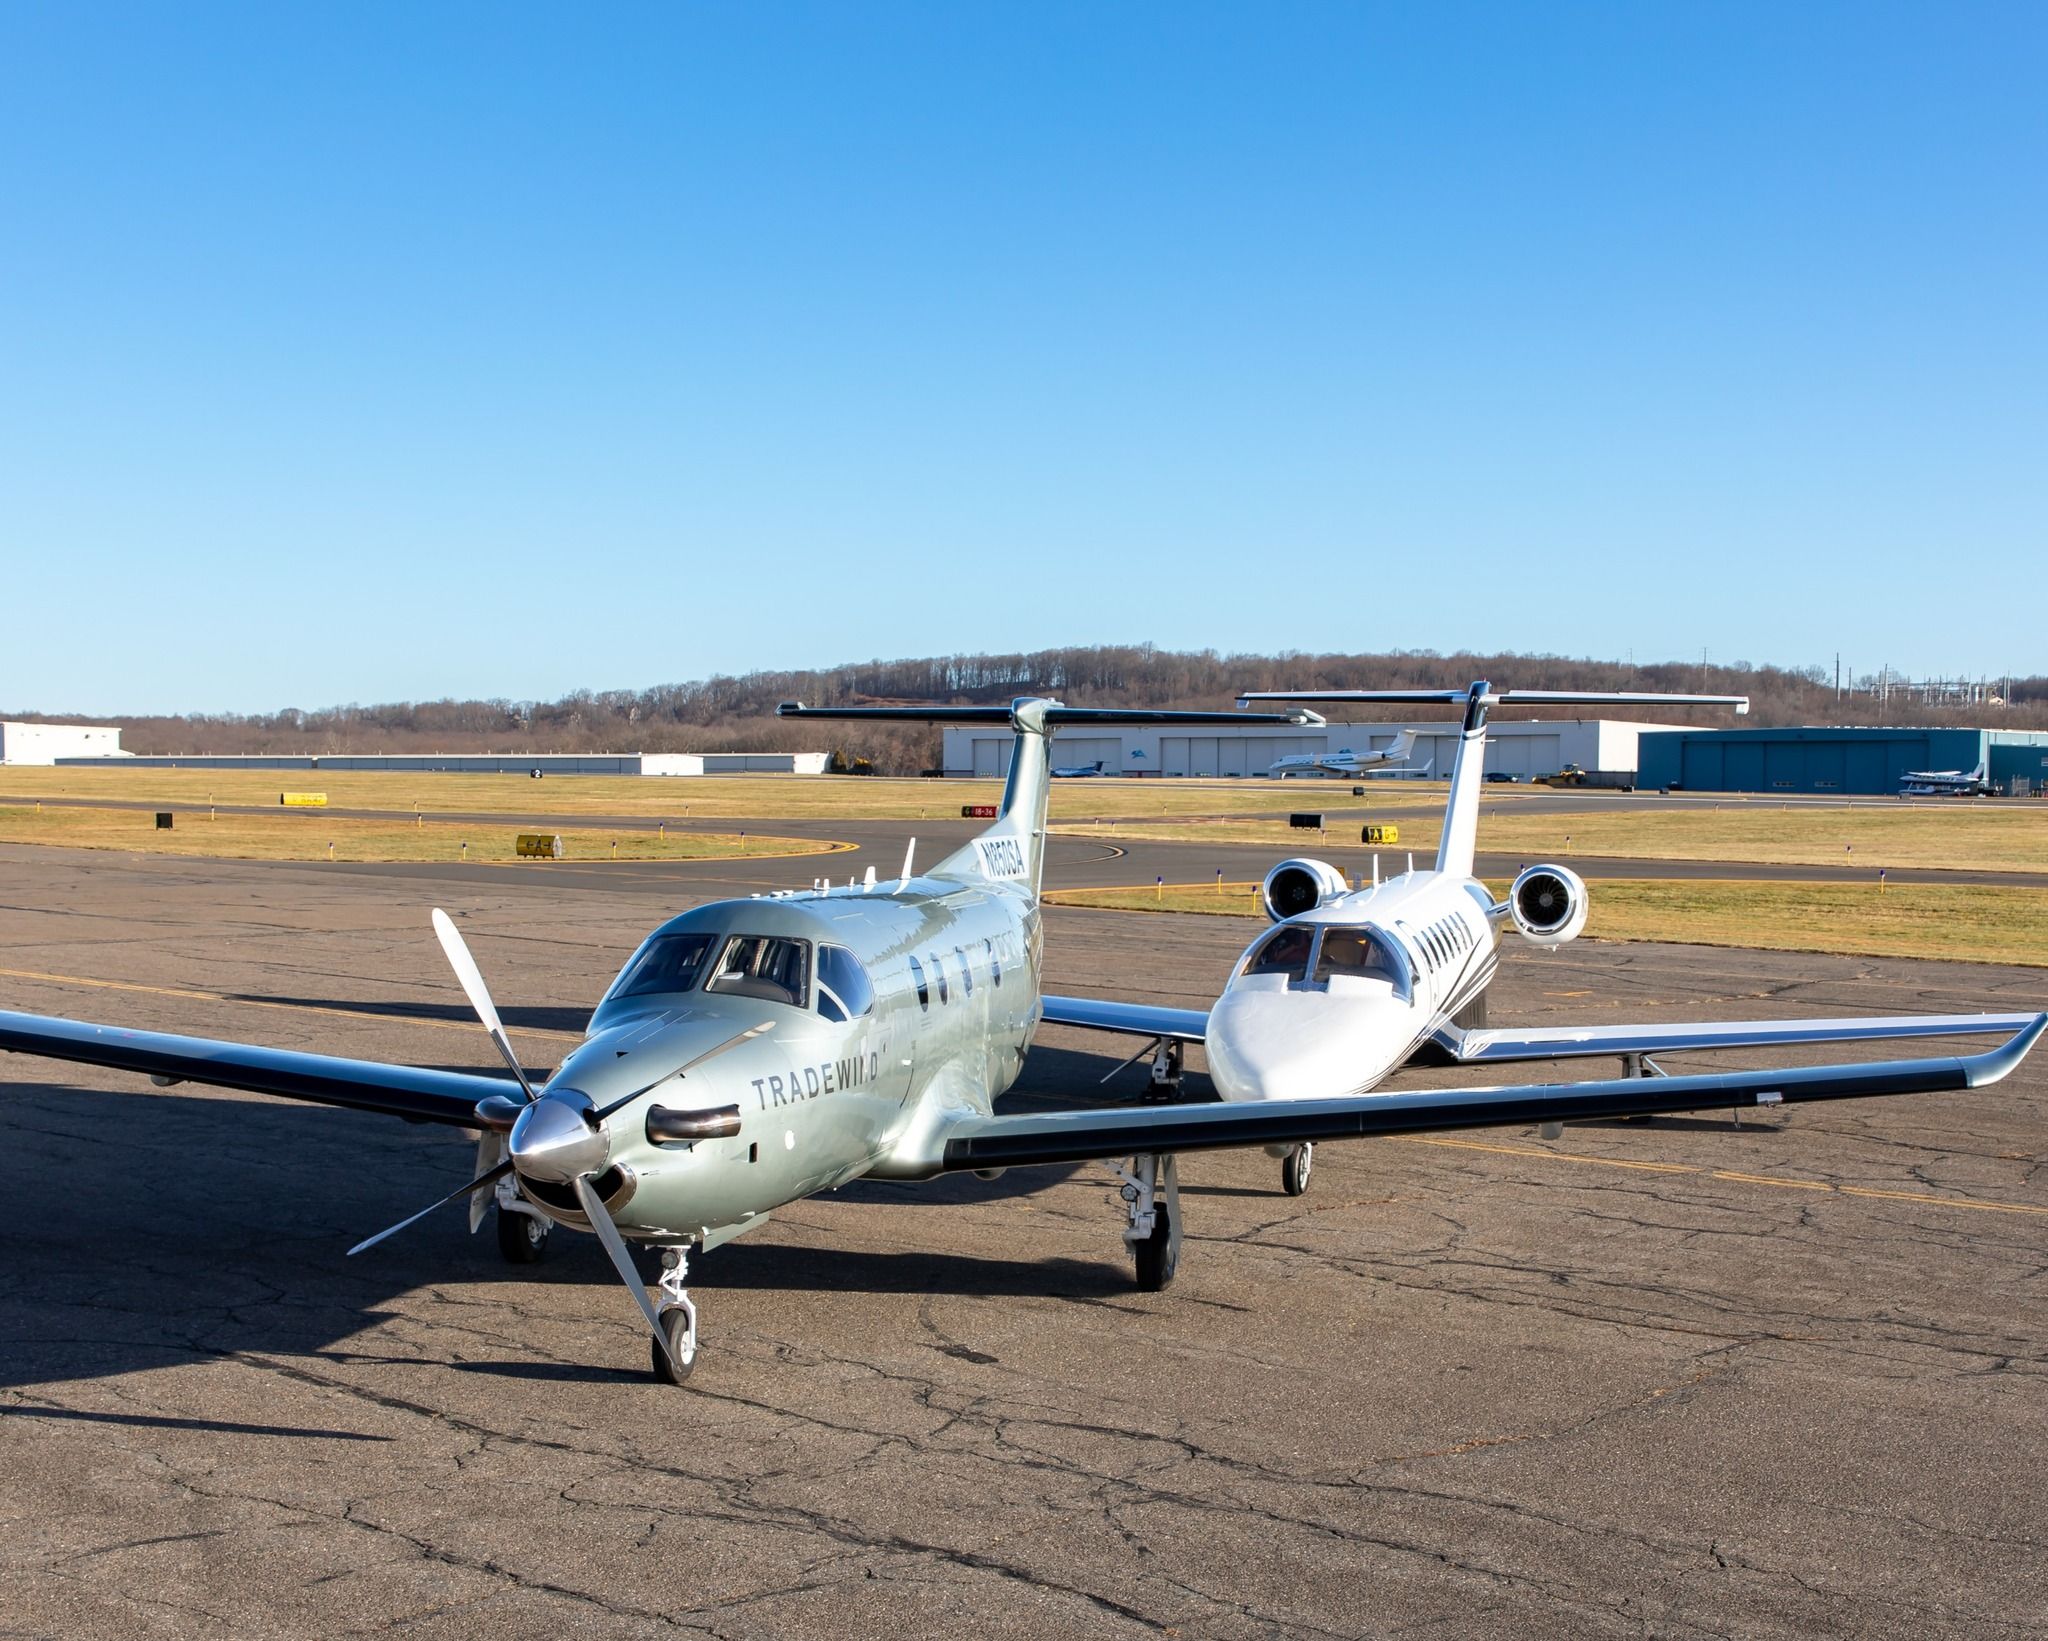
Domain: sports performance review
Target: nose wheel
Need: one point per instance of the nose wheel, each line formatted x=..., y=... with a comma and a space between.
x=522, y=1229
x=677, y=1319
x=1294, y=1170
x=1151, y=1191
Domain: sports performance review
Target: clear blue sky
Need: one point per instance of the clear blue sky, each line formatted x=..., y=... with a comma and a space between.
x=356, y=352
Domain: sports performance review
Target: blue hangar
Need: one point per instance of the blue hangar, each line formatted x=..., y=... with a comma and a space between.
x=1869, y=762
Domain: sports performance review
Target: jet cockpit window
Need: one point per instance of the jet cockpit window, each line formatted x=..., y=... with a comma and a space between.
x=1285, y=952
x=1361, y=954
x=844, y=991
x=668, y=962
x=764, y=966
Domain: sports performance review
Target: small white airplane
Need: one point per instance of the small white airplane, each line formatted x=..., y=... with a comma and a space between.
x=1947, y=783
x=1389, y=760
x=1354, y=985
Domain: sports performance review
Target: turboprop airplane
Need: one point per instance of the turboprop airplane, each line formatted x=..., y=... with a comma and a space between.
x=753, y=1052
x=1389, y=760
x=1947, y=783
x=1354, y=985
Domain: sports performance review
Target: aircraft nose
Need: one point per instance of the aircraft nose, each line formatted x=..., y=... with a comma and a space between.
x=1285, y=1047
x=554, y=1138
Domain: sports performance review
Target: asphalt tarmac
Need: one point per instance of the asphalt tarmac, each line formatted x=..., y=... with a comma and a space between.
x=1781, y=1378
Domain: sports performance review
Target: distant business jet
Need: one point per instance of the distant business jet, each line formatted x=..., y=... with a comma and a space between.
x=1390, y=761
x=1079, y=772
x=1947, y=783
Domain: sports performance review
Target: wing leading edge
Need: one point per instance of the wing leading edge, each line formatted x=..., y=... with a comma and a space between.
x=1085, y=1136
x=416, y=1092
x=1487, y=1047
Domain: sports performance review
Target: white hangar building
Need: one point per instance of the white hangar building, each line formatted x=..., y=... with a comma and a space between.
x=49, y=743
x=1525, y=749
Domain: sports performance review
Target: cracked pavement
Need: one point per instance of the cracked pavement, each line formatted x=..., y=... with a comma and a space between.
x=1686, y=1379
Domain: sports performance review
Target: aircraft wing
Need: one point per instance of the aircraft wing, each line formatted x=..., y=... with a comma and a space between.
x=1132, y=1019
x=1084, y=1136
x=1485, y=1047
x=414, y=1092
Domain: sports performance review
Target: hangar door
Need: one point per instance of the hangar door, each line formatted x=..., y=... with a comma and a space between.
x=1078, y=751
x=992, y=756
x=1523, y=755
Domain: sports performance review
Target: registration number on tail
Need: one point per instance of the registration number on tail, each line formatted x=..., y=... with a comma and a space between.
x=1001, y=857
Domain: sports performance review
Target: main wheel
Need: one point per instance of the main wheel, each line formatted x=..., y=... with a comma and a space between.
x=1295, y=1170
x=1156, y=1255
x=675, y=1328
x=522, y=1238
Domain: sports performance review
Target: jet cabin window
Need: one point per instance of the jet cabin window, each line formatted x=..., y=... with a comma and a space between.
x=759, y=965
x=1360, y=954
x=844, y=992
x=668, y=962
x=1285, y=952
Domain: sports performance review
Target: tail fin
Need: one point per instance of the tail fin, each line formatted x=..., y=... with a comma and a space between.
x=1012, y=850
x=1458, y=849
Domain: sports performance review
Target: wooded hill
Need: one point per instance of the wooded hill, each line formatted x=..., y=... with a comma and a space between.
x=728, y=714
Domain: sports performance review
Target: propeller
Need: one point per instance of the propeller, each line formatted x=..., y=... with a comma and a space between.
x=488, y=1177
x=479, y=995
x=622, y=1262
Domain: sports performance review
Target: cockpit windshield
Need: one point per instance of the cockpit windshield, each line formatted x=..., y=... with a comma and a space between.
x=1360, y=954
x=1285, y=952
x=668, y=962
x=763, y=966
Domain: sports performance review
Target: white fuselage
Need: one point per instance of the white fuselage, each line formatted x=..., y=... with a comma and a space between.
x=1329, y=1002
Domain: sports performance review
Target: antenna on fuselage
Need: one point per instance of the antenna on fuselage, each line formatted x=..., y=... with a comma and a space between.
x=867, y=884
x=1375, y=871
x=908, y=854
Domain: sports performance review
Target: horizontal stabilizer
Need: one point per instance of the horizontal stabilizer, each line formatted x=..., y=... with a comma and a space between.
x=1056, y=716
x=1503, y=697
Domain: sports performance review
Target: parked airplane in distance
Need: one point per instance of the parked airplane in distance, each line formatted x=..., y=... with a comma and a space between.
x=1353, y=986
x=1389, y=760
x=754, y=1052
x=1948, y=783
x=1079, y=772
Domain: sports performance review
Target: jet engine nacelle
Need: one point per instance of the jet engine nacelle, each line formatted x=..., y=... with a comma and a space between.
x=1297, y=886
x=1548, y=904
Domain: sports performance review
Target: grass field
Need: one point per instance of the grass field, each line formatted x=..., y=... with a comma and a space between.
x=1972, y=923
x=300, y=835
x=1979, y=837
x=817, y=797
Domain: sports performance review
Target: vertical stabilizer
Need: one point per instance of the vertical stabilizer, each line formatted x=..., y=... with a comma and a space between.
x=1013, y=849
x=1460, y=844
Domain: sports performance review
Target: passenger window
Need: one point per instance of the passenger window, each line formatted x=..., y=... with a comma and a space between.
x=995, y=965
x=764, y=966
x=844, y=991
x=1285, y=952
x=924, y=992
x=939, y=974
x=668, y=962
x=966, y=973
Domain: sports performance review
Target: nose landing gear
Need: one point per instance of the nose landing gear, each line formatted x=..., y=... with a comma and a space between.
x=1294, y=1170
x=677, y=1318
x=522, y=1228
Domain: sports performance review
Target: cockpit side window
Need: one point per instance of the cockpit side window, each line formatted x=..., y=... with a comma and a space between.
x=844, y=991
x=764, y=966
x=1285, y=952
x=668, y=962
x=1361, y=954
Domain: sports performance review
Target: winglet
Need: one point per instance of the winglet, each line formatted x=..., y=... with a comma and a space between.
x=1982, y=1069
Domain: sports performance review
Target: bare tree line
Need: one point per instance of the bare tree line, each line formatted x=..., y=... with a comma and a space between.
x=737, y=713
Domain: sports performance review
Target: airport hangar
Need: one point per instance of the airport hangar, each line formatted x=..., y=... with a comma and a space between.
x=487, y=763
x=1543, y=747
x=1847, y=761
x=53, y=743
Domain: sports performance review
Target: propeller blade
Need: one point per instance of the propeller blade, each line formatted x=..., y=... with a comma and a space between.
x=463, y=1190
x=471, y=979
x=622, y=1262
x=712, y=1053
x=490, y=1151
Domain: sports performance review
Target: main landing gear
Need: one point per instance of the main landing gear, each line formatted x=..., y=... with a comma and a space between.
x=677, y=1318
x=1151, y=1190
x=522, y=1228
x=1166, y=1069
x=1295, y=1168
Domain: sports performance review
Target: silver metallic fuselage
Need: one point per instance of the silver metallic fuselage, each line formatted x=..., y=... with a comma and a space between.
x=820, y=1101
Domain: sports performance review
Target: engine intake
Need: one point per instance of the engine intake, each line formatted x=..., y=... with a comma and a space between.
x=1548, y=904
x=1297, y=886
